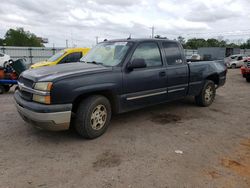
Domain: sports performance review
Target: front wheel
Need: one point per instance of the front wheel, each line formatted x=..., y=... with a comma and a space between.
x=207, y=95
x=2, y=90
x=93, y=116
x=6, y=88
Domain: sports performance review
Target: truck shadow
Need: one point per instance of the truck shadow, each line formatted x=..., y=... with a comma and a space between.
x=164, y=113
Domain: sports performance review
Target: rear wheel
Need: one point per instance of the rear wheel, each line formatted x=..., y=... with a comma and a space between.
x=93, y=116
x=233, y=66
x=207, y=95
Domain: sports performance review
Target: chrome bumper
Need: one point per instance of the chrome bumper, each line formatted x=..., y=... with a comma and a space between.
x=54, y=121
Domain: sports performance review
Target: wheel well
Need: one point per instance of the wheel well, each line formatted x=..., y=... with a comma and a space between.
x=106, y=93
x=214, y=78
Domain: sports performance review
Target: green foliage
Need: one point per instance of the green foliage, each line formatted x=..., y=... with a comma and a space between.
x=195, y=43
x=246, y=45
x=181, y=40
x=1, y=42
x=20, y=37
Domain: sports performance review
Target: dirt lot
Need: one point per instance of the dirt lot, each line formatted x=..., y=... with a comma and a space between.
x=138, y=149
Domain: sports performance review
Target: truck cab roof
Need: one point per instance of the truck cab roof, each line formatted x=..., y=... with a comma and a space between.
x=140, y=40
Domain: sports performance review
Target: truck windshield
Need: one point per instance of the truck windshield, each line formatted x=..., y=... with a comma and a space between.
x=107, y=53
x=56, y=56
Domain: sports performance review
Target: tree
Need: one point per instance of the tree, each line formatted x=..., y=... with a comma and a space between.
x=1, y=42
x=195, y=43
x=181, y=40
x=20, y=37
x=246, y=45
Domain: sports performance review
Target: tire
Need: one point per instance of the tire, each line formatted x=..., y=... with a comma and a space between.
x=207, y=95
x=2, y=90
x=248, y=79
x=6, y=88
x=233, y=66
x=93, y=116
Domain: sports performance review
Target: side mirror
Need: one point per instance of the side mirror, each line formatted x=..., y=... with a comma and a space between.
x=137, y=63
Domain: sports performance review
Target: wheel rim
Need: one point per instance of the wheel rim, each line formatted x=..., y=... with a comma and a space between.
x=209, y=94
x=98, y=117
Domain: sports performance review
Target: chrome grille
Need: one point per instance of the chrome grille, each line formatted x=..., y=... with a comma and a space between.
x=29, y=83
x=26, y=82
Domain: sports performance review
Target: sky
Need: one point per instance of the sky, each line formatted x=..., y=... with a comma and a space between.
x=81, y=21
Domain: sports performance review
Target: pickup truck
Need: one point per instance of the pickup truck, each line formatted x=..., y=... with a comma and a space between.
x=114, y=77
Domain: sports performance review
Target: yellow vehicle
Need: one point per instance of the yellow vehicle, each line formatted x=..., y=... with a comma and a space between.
x=68, y=55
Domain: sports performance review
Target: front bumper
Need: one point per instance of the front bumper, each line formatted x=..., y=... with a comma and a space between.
x=48, y=117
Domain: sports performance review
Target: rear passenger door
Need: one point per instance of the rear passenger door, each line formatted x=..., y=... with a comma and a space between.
x=177, y=70
x=144, y=86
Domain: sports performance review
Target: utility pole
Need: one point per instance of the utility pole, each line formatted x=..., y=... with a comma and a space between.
x=96, y=39
x=67, y=43
x=153, y=31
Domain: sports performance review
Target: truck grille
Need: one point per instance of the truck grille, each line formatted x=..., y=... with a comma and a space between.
x=29, y=83
x=26, y=82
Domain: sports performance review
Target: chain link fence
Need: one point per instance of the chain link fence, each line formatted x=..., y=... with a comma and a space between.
x=36, y=54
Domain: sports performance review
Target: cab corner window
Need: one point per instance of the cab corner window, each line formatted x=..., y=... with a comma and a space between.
x=173, y=53
x=149, y=52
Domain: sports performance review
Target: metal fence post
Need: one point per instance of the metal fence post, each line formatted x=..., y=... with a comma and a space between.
x=30, y=54
x=53, y=51
x=3, y=49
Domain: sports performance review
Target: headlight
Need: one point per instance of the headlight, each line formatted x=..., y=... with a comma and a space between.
x=42, y=94
x=43, y=86
x=41, y=99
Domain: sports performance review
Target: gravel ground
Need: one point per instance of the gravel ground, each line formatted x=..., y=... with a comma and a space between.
x=139, y=148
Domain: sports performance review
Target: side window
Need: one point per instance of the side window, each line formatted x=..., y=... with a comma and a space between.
x=173, y=53
x=149, y=51
x=1, y=55
x=73, y=57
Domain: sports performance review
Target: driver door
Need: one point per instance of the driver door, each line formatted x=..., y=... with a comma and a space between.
x=145, y=86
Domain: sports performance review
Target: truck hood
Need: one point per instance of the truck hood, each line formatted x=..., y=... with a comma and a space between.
x=52, y=73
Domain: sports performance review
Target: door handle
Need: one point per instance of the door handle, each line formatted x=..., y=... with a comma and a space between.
x=162, y=74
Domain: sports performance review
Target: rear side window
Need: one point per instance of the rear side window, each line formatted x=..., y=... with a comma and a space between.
x=149, y=51
x=240, y=58
x=73, y=57
x=173, y=53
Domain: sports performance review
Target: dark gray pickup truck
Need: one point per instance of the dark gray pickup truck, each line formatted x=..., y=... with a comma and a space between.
x=116, y=76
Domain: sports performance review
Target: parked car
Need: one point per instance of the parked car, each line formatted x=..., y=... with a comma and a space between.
x=245, y=71
x=195, y=57
x=116, y=76
x=69, y=55
x=4, y=58
x=235, y=61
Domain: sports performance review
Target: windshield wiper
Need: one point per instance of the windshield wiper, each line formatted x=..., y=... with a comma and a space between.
x=94, y=62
